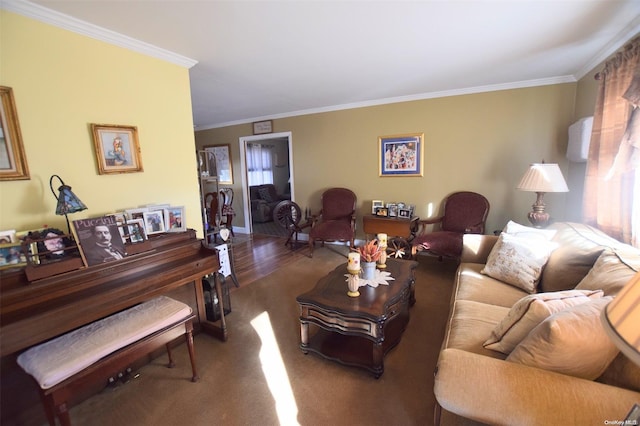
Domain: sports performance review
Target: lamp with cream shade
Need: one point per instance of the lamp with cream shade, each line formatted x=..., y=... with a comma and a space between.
x=621, y=321
x=542, y=178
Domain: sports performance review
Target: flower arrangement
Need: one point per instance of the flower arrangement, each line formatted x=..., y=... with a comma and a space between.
x=370, y=252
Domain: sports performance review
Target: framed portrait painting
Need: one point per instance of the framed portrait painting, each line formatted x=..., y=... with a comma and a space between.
x=13, y=162
x=223, y=166
x=401, y=155
x=117, y=148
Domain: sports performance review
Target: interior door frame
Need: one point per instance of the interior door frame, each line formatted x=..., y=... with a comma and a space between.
x=246, y=201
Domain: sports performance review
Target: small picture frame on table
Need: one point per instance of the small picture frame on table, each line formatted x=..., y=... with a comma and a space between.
x=382, y=212
x=154, y=222
x=133, y=231
x=137, y=213
x=11, y=256
x=7, y=237
x=174, y=219
x=404, y=213
x=375, y=204
x=393, y=209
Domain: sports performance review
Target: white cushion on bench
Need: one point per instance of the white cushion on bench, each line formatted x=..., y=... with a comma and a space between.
x=58, y=359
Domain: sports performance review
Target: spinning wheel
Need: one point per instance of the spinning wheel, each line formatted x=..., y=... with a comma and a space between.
x=288, y=215
x=399, y=248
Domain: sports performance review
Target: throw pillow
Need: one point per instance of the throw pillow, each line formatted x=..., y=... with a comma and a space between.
x=530, y=311
x=265, y=194
x=612, y=270
x=518, y=230
x=572, y=342
x=518, y=261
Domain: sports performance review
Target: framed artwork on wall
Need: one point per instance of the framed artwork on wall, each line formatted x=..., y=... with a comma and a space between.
x=401, y=155
x=117, y=148
x=224, y=164
x=262, y=127
x=13, y=162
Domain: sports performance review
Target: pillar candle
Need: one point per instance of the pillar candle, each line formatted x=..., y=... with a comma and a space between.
x=382, y=240
x=353, y=262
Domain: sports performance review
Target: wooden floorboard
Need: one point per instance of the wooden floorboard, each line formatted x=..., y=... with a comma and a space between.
x=255, y=256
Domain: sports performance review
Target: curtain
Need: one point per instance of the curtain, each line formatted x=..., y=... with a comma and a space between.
x=611, y=182
x=259, y=164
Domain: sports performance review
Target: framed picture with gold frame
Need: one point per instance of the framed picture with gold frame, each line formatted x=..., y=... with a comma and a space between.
x=401, y=155
x=117, y=148
x=13, y=162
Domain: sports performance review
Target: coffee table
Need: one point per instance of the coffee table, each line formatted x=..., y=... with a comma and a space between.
x=357, y=331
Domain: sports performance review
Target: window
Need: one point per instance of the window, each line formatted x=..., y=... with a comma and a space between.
x=259, y=164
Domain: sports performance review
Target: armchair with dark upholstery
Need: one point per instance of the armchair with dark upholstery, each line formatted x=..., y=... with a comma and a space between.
x=464, y=213
x=337, y=218
x=264, y=198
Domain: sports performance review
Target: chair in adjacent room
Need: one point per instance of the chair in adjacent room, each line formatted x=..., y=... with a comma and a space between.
x=337, y=218
x=464, y=212
x=227, y=212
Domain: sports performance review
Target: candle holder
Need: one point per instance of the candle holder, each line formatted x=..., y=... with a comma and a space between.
x=353, y=283
x=382, y=261
x=382, y=243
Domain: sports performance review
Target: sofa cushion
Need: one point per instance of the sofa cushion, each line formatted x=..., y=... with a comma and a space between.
x=470, y=284
x=579, y=247
x=469, y=323
x=622, y=372
x=572, y=342
x=265, y=194
x=514, y=228
x=530, y=311
x=612, y=270
x=518, y=261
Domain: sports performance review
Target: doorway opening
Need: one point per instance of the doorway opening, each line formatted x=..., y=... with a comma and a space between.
x=266, y=163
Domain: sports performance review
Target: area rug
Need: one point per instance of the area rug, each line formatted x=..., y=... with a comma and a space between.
x=260, y=376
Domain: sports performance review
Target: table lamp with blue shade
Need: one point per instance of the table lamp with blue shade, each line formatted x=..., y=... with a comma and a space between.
x=68, y=202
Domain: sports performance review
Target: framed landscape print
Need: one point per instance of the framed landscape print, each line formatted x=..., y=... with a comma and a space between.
x=224, y=168
x=401, y=155
x=117, y=148
x=13, y=162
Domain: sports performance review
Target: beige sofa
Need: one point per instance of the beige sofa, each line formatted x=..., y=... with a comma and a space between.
x=475, y=384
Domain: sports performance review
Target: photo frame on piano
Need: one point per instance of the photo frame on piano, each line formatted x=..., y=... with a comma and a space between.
x=99, y=240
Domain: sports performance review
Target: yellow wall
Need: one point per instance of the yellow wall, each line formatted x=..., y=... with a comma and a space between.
x=62, y=82
x=481, y=142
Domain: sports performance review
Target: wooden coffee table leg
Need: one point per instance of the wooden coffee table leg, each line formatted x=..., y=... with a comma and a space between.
x=378, y=356
x=304, y=336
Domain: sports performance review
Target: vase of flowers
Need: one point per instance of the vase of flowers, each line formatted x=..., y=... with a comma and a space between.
x=369, y=254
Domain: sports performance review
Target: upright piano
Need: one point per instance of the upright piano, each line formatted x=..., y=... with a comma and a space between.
x=36, y=311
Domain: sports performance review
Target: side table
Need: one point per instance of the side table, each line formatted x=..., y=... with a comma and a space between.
x=400, y=231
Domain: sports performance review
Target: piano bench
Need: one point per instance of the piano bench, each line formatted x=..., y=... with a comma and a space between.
x=77, y=360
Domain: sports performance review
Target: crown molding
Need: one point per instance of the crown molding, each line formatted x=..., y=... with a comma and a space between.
x=57, y=19
x=624, y=36
x=410, y=98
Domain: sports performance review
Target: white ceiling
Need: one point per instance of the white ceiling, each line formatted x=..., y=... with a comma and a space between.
x=268, y=59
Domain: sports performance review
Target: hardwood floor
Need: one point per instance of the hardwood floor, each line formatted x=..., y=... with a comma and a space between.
x=255, y=256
